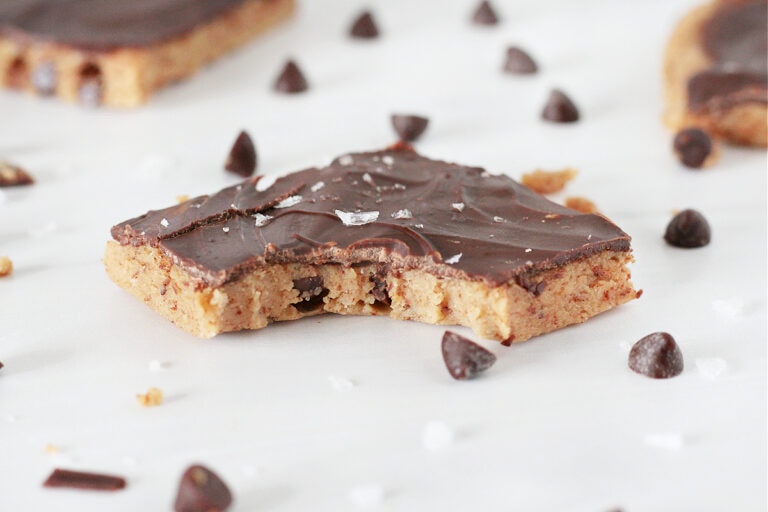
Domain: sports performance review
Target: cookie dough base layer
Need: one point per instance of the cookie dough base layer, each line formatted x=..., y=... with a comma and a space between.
x=509, y=313
x=745, y=124
x=129, y=76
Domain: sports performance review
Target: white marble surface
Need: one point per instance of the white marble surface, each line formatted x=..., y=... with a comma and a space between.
x=351, y=413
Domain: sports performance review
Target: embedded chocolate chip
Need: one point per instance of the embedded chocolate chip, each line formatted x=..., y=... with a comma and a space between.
x=380, y=290
x=291, y=80
x=560, y=108
x=657, y=356
x=311, y=293
x=16, y=74
x=485, y=14
x=409, y=127
x=464, y=358
x=519, y=62
x=13, y=176
x=90, y=91
x=242, y=157
x=44, y=78
x=364, y=27
x=692, y=146
x=84, y=481
x=201, y=490
x=688, y=229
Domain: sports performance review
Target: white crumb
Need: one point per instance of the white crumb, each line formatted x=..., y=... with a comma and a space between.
x=405, y=213
x=366, y=495
x=341, y=383
x=436, y=436
x=261, y=220
x=357, y=218
x=668, y=441
x=711, y=367
x=454, y=259
x=289, y=201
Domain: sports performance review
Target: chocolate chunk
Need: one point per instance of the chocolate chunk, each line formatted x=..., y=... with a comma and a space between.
x=692, y=146
x=364, y=27
x=16, y=75
x=464, y=358
x=380, y=291
x=485, y=15
x=409, y=127
x=519, y=62
x=688, y=229
x=86, y=481
x=13, y=176
x=242, y=159
x=291, y=80
x=311, y=293
x=560, y=108
x=201, y=490
x=657, y=356
x=44, y=78
x=91, y=87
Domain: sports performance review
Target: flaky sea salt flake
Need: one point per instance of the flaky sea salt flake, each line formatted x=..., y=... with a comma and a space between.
x=164, y=222
x=261, y=219
x=317, y=186
x=387, y=160
x=498, y=219
x=454, y=259
x=459, y=207
x=405, y=213
x=225, y=229
x=357, y=218
x=289, y=201
x=346, y=160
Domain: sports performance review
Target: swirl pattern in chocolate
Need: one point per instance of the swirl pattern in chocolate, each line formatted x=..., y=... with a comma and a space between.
x=103, y=25
x=735, y=39
x=394, y=208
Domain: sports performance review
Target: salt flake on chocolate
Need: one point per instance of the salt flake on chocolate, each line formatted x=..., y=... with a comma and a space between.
x=387, y=160
x=346, y=160
x=289, y=201
x=357, y=218
x=459, y=207
x=261, y=219
x=317, y=186
x=405, y=213
x=164, y=222
x=454, y=259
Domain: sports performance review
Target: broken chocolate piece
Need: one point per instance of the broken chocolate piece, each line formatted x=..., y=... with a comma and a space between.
x=519, y=62
x=688, y=229
x=291, y=80
x=692, y=146
x=560, y=108
x=85, y=481
x=463, y=357
x=485, y=14
x=364, y=27
x=242, y=159
x=657, y=356
x=201, y=490
x=13, y=176
x=409, y=127
x=44, y=78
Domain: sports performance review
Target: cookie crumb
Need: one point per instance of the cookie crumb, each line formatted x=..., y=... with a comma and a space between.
x=13, y=176
x=580, y=204
x=6, y=266
x=152, y=398
x=183, y=198
x=548, y=182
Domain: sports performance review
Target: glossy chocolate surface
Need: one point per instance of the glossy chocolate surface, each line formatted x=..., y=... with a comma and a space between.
x=412, y=212
x=735, y=39
x=102, y=25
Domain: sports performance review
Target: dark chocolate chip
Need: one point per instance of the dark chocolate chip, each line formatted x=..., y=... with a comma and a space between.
x=13, y=176
x=692, y=146
x=242, y=159
x=44, y=78
x=657, y=356
x=560, y=108
x=201, y=490
x=291, y=80
x=364, y=27
x=380, y=290
x=688, y=229
x=311, y=293
x=485, y=14
x=91, y=87
x=17, y=74
x=86, y=481
x=519, y=62
x=409, y=127
x=464, y=358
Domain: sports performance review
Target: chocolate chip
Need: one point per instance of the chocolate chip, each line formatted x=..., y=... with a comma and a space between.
x=688, y=229
x=291, y=80
x=657, y=356
x=409, y=127
x=86, y=481
x=364, y=27
x=13, y=176
x=311, y=293
x=44, y=78
x=380, y=290
x=90, y=90
x=201, y=490
x=519, y=62
x=560, y=108
x=464, y=358
x=16, y=74
x=485, y=14
x=692, y=146
x=242, y=157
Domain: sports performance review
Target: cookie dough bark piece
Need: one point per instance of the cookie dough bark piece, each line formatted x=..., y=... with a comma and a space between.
x=715, y=71
x=381, y=233
x=118, y=53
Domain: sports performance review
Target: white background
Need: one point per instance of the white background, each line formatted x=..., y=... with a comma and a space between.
x=558, y=424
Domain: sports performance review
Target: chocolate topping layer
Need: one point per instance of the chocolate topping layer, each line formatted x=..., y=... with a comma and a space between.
x=735, y=38
x=394, y=208
x=103, y=25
